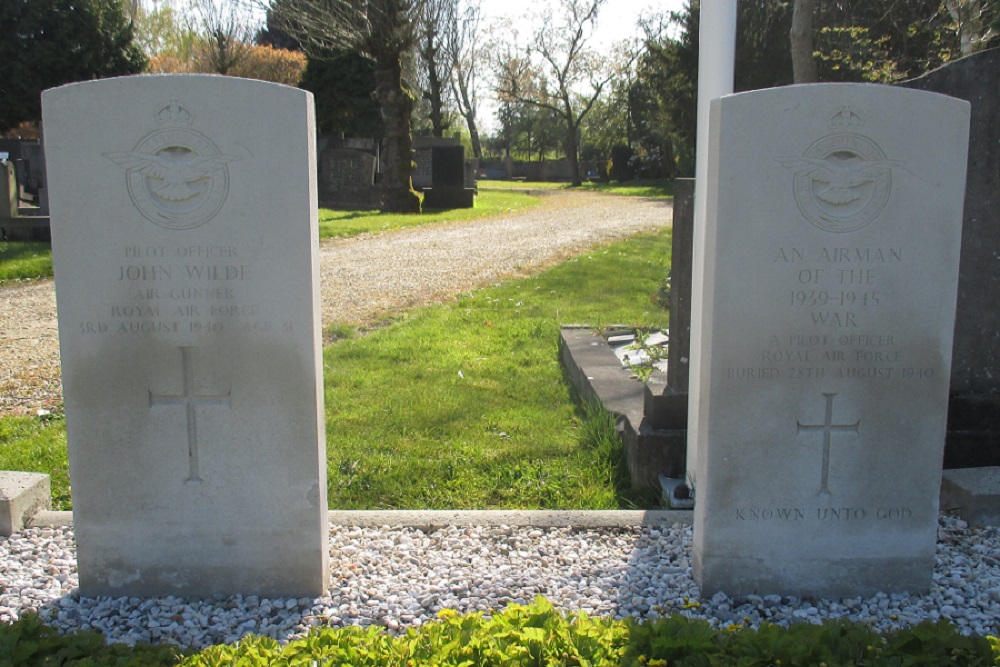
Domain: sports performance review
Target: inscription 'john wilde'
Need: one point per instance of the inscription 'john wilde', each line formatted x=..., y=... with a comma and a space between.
x=150, y=272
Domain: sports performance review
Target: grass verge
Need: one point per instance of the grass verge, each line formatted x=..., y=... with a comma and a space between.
x=464, y=405
x=24, y=260
x=658, y=188
x=342, y=224
x=38, y=444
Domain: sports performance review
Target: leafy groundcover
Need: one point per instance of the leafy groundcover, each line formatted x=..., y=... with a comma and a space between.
x=535, y=635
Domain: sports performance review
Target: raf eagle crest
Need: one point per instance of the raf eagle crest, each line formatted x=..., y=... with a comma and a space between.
x=842, y=181
x=177, y=177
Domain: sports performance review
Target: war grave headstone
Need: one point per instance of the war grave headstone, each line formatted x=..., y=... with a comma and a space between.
x=448, y=179
x=974, y=410
x=187, y=293
x=347, y=179
x=821, y=351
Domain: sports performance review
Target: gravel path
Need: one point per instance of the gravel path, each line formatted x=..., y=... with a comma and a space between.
x=362, y=278
x=403, y=577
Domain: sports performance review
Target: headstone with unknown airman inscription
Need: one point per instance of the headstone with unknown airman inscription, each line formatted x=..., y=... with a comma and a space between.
x=823, y=313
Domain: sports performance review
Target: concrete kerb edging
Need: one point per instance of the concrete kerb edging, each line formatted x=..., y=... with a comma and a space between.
x=430, y=520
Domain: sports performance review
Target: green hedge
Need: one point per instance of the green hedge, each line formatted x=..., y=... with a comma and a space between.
x=536, y=635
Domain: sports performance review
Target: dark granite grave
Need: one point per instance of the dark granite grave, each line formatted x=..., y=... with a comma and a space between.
x=448, y=179
x=974, y=405
x=666, y=395
x=347, y=180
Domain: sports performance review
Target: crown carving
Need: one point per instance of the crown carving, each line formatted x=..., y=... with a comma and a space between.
x=173, y=114
x=846, y=118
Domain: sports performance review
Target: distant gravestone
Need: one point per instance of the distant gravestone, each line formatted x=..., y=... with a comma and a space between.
x=187, y=284
x=422, y=176
x=472, y=172
x=822, y=322
x=347, y=179
x=974, y=419
x=8, y=190
x=448, y=166
x=448, y=179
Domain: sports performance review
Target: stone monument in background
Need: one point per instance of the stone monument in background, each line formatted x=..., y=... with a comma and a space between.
x=974, y=410
x=187, y=292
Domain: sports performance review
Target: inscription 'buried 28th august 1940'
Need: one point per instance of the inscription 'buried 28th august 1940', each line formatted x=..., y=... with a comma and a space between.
x=834, y=290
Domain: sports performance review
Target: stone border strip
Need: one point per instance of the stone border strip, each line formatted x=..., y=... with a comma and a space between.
x=430, y=520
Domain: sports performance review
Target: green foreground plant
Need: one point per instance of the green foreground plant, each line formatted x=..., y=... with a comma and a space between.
x=535, y=635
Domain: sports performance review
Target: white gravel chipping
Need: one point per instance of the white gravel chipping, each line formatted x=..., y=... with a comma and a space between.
x=402, y=577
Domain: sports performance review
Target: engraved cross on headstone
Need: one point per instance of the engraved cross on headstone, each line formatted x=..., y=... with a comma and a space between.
x=827, y=428
x=190, y=400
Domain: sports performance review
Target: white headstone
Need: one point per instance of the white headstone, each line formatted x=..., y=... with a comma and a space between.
x=820, y=362
x=187, y=290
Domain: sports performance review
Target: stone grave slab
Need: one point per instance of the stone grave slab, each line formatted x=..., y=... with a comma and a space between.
x=974, y=493
x=22, y=495
x=824, y=292
x=187, y=293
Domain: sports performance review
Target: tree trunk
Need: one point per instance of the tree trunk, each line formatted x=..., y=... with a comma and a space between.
x=477, y=146
x=571, y=154
x=434, y=96
x=396, y=105
x=801, y=38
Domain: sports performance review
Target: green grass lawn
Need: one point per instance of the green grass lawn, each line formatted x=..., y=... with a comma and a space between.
x=341, y=224
x=24, y=260
x=638, y=188
x=464, y=405
x=461, y=405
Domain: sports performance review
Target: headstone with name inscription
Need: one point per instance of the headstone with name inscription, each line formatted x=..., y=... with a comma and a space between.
x=189, y=329
x=822, y=323
x=347, y=179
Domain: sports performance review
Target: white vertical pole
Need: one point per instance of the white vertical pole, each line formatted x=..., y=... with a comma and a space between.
x=716, y=63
